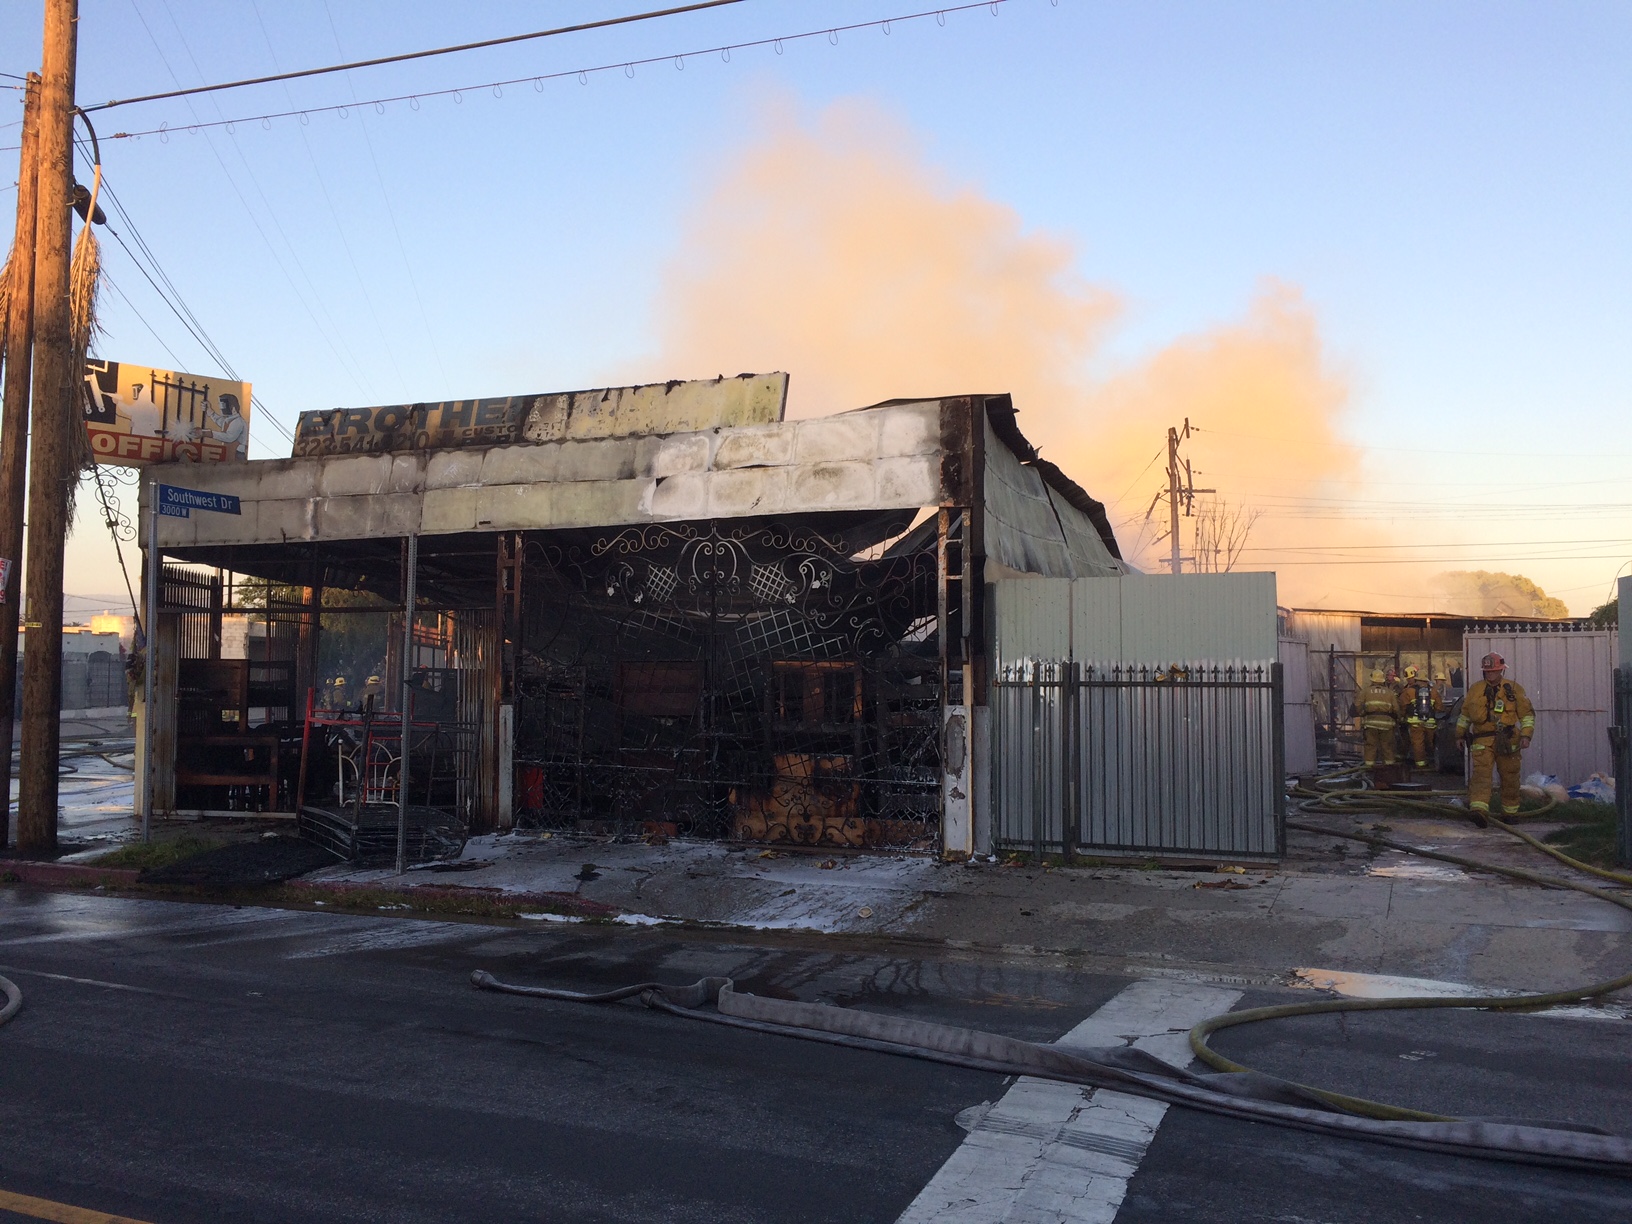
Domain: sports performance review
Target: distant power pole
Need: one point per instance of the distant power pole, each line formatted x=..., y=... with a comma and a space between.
x=14, y=429
x=1181, y=486
x=56, y=385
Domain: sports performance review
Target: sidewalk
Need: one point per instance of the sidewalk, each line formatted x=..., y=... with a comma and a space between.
x=1331, y=907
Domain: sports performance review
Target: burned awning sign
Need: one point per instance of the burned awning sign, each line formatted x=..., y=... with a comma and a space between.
x=687, y=406
x=137, y=414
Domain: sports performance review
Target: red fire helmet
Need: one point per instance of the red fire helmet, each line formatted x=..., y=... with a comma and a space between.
x=1492, y=662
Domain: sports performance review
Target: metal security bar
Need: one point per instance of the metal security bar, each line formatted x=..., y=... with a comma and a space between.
x=1124, y=758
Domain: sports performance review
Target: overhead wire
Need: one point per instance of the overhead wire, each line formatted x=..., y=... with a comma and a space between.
x=391, y=213
x=172, y=298
x=334, y=215
x=602, y=24
x=331, y=333
x=831, y=33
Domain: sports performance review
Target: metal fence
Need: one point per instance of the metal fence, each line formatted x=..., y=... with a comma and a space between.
x=1179, y=760
x=1620, y=741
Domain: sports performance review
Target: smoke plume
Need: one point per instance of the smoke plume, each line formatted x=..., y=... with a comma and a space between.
x=831, y=248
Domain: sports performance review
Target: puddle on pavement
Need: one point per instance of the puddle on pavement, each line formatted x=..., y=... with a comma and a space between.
x=1383, y=985
x=1412, y=869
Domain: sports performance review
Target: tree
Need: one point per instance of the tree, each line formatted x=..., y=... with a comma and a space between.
x=1606, y=616
x=1493, y=593
x=1221, y=535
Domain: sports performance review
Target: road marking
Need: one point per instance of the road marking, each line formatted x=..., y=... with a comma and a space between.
x=191, y=923
x=63, y=977
x=385, y=934
x=45, y=1209
x=1052, y=1153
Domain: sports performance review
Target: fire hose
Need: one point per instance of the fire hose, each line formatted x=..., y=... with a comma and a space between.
x=14, y=999
x=1373, y=802
x=1232, y=1090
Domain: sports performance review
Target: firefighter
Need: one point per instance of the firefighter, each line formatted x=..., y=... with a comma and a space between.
x=1420, y=706
x=1497, y=723
x=1379, y=709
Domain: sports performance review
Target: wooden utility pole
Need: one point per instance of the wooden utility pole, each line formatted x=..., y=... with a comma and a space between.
x=14, y=430
x=56, y=386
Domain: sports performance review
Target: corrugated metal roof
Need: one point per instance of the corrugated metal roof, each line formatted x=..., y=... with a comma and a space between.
x=1032, y=530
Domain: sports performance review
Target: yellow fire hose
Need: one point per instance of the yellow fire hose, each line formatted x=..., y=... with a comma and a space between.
x=1353, y=802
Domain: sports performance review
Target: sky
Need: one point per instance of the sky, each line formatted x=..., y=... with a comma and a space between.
x=1377, y=254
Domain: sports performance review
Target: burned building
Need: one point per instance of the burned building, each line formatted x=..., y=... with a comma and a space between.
x=657, y=610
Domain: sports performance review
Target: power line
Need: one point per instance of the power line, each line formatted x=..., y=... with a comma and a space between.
x=334, y=213
x=177, y=304
x=831, y=33
x=1509, y=559
x=346, y=361
x=391, y=214
x=414, y=55
x=1478, y=544
x=1413, y=450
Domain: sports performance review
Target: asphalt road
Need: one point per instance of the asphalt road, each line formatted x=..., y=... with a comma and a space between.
x=180, y=1062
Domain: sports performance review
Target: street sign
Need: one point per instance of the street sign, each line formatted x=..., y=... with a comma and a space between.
x=176, y=502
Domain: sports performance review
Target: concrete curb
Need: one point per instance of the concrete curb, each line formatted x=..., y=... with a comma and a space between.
x=555, y=902
x=75, y=877
x=65, y=875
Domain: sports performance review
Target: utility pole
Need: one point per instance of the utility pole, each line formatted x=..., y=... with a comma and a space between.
x=1181, y=487
x=14, y=430
x=56, y=385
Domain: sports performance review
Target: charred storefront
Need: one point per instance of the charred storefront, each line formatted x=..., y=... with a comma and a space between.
x=653, y=611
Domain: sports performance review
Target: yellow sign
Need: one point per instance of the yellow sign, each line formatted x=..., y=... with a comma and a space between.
x=136, y=415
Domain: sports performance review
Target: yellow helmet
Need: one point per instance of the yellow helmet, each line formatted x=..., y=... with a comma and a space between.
x=1377, y=675
x=1411, y=672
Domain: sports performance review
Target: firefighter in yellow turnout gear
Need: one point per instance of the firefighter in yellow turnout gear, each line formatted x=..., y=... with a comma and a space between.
x=1420, y=706
x=1497, y=723
x=1379, y=708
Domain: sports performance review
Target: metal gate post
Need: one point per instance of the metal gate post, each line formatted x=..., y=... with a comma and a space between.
x=405, y=701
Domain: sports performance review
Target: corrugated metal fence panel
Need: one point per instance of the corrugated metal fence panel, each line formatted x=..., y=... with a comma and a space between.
x=1032, y=618
x=1194, y=616
x=1569, y=678
x=1096, y=619
x=1298, y=700
x=1324, y=630
x=1136, y=618
x=1177, y=761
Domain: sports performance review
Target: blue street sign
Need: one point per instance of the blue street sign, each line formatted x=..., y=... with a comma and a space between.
x=176, y=502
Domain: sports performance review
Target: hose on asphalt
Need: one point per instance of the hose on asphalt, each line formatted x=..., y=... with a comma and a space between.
x=14, y=999
x=1374, y=802
x=1233, y=1091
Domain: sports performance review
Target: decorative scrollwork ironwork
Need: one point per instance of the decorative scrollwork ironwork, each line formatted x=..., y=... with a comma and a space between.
x=765, y=681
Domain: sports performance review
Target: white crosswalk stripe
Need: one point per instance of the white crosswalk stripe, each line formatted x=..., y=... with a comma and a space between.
x=1052, y=1153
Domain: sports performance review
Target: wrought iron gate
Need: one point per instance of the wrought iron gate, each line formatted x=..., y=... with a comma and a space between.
x=1186, y=759
x=762, y=682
